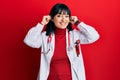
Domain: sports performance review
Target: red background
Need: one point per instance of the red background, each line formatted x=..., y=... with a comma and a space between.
x=20, y=62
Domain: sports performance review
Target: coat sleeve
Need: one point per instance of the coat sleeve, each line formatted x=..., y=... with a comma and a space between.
x=33, y=37
x=87, y=33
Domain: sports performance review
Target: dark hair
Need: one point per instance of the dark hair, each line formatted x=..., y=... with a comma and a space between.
x=57, y=9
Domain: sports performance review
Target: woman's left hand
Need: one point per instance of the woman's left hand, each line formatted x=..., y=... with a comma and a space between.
x=73, y=19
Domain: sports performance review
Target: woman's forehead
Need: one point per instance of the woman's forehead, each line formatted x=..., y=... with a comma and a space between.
x=63, y=12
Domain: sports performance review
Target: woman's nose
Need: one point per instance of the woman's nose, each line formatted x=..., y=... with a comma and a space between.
x=63, y=18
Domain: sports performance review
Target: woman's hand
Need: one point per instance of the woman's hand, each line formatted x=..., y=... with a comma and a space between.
x=45, y=19
x=73, y=19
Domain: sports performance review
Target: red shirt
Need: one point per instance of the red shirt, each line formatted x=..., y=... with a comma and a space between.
x=60, y=65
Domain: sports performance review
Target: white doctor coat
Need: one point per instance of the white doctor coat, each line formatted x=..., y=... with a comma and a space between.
x=37, y=39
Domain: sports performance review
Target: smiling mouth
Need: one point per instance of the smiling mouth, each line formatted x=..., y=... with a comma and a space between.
x=61, y=23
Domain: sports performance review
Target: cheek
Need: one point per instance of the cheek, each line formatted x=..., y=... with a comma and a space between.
x=68, y=20
x=56, y=21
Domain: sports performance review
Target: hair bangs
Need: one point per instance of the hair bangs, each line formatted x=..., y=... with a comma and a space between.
x=64, y=11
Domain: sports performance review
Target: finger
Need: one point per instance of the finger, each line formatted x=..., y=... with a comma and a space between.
x=48, y=18
x=72, y=18
x=71, y=21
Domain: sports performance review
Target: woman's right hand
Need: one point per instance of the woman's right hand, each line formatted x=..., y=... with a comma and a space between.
x=45, y=19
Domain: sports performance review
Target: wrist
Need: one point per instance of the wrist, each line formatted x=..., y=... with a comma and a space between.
x=42, y=23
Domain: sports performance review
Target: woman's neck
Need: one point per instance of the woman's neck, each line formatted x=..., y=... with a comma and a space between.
x=59, y=31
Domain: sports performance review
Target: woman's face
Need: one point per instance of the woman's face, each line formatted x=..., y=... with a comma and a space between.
x=61, y=21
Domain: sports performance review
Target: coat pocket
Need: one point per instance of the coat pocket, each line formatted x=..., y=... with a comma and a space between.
x=78, y=67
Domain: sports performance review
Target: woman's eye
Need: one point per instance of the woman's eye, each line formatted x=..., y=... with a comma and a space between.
x=58, y=15
x=67, y=16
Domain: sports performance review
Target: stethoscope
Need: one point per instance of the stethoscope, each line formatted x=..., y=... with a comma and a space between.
x=49, y=40
x=76, y=44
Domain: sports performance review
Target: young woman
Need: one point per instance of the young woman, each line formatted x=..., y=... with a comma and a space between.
x=61, y=57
